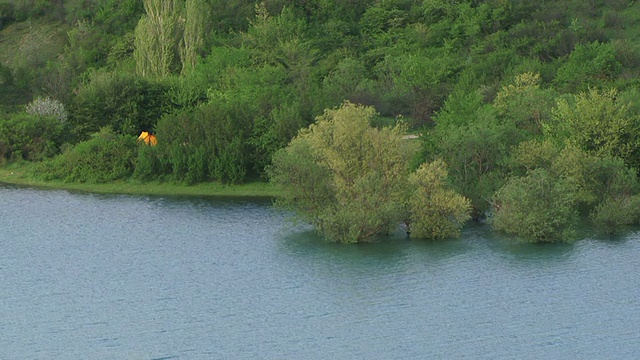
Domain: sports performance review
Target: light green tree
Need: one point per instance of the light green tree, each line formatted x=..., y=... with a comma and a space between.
x=597, y=122
x=525, y=103
x=192, y=43
x=600, y=184
x=351, y=180
x=156, y=37
x=344, y=176
x=538, y=207
x=435, y=211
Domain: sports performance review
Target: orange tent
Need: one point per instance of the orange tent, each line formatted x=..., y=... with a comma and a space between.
x=148, y=138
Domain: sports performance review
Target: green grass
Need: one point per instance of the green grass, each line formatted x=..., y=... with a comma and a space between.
x=21, y=174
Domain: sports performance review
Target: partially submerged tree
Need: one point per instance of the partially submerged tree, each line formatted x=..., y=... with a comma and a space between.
x=434, y=210
x=538, y=207
x=557, y=182
x=351, y=181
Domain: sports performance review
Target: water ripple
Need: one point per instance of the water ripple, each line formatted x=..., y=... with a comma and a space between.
x=104, y=277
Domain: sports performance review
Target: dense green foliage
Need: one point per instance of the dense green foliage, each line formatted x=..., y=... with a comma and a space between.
x=123, y=102
x=537, y=207
x=434, y=210
x=103, y=158
x=351, y=180
x=508, y=96
x=345, y=176
x=30, y=137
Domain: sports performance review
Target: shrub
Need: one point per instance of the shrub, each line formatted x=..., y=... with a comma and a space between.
x=351, y=180
x=538, y=207
x=126, y=103
x=148, y=165
x=613, y=213
x=435, y=211
x=30, y=137
x=47, y=107
x=105, y=157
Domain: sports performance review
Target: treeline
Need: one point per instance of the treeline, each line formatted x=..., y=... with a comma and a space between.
x=505, y=93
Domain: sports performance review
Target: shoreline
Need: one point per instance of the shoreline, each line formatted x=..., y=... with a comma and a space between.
x=13, y=175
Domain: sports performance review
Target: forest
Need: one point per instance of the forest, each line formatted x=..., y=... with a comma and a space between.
x=523, y=113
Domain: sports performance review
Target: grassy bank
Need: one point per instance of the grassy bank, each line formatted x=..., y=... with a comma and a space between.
x=22, y=175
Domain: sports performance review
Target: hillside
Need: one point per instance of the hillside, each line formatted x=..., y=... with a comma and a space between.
x=530, y=109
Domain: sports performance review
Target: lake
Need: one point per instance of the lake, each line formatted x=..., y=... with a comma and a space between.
x=87, y=276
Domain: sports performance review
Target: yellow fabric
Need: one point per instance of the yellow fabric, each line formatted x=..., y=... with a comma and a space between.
x=148, y=139
x=151, y=139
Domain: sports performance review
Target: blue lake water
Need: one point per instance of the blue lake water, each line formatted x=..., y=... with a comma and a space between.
x=86, y=276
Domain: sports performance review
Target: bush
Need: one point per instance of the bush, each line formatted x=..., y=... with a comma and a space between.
x=148, y=165
x=126, y=103
x=538, y=207
x=205, y=143
x=47, y=107
x=435, y=212
x=613, y=213
x=103, y=158
x=351, y=180
x=30, y=137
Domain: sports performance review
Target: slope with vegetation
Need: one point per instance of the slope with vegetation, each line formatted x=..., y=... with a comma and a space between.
x=532, y=107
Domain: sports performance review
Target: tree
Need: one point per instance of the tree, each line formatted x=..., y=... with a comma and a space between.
x=597, y=122
x=602, y=185
x=588, y=65
x=201, y=144
x=435, y=211
x=156, y=37
x=351, y=181
x=126, y=103
x=47, y=107
x=344, y=176
x=474, y=142
x=524, y=103
x=192, y=42
x=538, y=207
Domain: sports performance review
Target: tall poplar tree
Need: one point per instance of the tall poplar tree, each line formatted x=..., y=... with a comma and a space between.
x=156, y=37
x=192, y=41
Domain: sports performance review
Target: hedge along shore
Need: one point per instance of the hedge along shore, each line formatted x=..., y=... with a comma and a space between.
x=21, y=175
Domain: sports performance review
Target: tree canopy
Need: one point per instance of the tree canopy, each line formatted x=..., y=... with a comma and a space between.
x=353, y=181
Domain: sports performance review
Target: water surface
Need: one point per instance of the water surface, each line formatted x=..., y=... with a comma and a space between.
x=135, y=277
